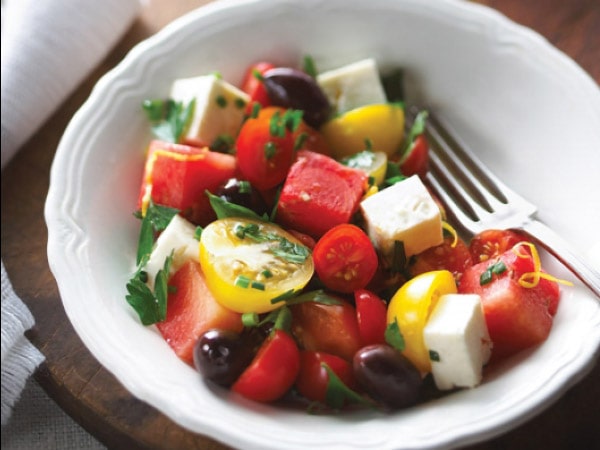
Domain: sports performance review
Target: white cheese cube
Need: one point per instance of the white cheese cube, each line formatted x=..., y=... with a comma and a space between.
x=353, y=85
x=219, y=109
x=458, y=340
x=177, y=237
x=405, y=212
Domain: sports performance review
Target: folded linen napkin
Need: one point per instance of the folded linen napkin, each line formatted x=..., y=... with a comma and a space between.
x=48, y=48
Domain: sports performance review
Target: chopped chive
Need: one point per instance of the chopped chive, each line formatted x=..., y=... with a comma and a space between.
x=242, y=281
x=270, y=149
x=221, y=101
x=250, y=319
x=309, y=66
x=239, y=103
x=267, y=273
x=198, y=233
x=255, y=110
x=258, y=285
x=300, y=140
x=434, y=356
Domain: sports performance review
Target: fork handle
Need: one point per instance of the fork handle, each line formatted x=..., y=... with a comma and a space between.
x=562, y=251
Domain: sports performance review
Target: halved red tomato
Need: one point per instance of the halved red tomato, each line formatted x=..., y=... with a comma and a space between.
x=491, y=243
x=345, y=259
x=416, y=161
x=455, y=258
x=371, y=313
x=253, y=86
x=273, y=370
x=265, y=147
x=327, y=328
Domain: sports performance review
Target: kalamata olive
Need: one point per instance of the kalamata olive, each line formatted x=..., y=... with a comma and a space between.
x=242, y=193
x=292, y=88
x=387, y=376
x=222, y=355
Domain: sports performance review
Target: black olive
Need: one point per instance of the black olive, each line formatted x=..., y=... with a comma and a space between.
x=387, y=376
x=292, y=88
x=222, y=355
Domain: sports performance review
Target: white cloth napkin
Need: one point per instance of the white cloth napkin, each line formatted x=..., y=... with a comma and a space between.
x=48, y=48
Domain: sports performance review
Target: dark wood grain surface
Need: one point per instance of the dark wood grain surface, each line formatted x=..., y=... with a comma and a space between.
x=93, y=397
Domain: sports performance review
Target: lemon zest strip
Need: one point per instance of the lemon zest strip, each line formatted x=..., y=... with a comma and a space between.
x=531, y=279
x=450, y=229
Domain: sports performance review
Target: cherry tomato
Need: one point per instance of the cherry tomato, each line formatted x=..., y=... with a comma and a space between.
x=371, y=313
x=265, y=147
x=381, y=124
x=410, y=308
x=491, y=243
x=327, y=328
x=416, y=161
x=313, y=378
x=247, y=263
x=273, y=370
x=253, y=85
x=345, y=259
x=455, y=258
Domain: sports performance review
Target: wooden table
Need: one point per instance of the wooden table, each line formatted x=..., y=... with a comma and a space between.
x=93, y=397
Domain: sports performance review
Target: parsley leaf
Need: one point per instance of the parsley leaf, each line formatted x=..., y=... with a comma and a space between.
x=417, y=129
x=224, y=209
x=286, y=250
x=156, y=219
x=151, y=306
x=393, y=336
x=318, y=296
x=338, y=394
x=169, y=118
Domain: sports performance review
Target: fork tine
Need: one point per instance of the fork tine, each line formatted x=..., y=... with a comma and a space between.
x=468, y=162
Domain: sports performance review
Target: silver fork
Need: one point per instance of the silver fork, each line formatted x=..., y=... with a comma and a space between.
x=478, y=200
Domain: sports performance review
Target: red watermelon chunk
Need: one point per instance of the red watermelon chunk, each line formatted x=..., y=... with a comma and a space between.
x=319, y=193
x=178, y=175
x=192, y=310
x=517, y=317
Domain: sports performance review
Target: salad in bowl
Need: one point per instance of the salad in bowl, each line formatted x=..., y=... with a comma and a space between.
x=291, y=250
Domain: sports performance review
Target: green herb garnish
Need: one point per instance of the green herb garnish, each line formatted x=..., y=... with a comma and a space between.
x=156, y=219
x=224, y=209
x=338, y=394
x=393, y=336
x=170, y=119
x=493, y=269
x=150, y=305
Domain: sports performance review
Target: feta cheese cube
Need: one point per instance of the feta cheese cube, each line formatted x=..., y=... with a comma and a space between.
x=458, y=340
x=405, y=212
x=353, y=85
x=219, y=110
x=178, y=237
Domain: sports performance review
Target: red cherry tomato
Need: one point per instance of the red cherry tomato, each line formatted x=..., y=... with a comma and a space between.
x=345, y=259
x=327, y=328
x=313, y=378
x=253, y=86
x=273, y=370
x=455, y=259
x=264, y=157
x=371, y=314
x=491, y=243
x=416, y=160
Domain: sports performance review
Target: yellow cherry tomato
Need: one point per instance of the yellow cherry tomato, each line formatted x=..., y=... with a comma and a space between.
x=381, y=124
x=247, y=263
x=411, y=306
x=373, y=163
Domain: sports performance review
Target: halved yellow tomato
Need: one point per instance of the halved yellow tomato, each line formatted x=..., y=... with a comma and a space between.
x=411, y=306
x=248, y=263
x=381, y=124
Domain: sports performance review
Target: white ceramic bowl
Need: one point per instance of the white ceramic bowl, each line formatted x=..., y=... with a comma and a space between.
x=532, y=114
